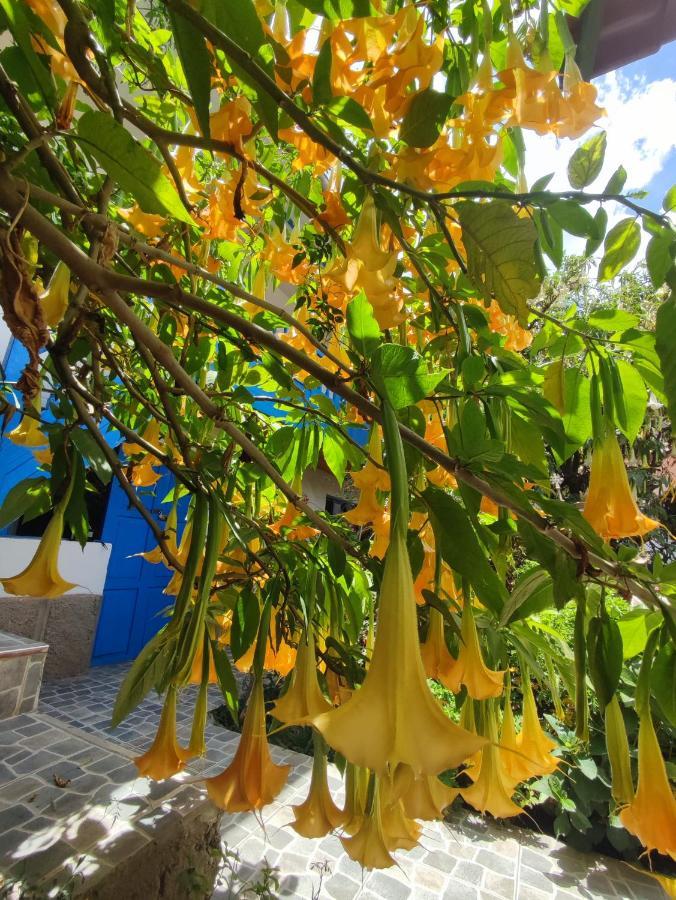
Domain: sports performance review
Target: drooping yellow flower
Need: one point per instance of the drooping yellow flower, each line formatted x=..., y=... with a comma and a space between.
x=399, y=830
x=579, y=110
x=303, y=699
x=437, y=660
x=610, y=507
x=651, y=815
x=470, y=669
x=27, y=433
x=532, y=742
x=356, y=789
x=147, y=224
x=368, y=267
x=41, y=577
x=318, y=814
x=54, y=301
x=492, y=790
x=427, y=797
x=286, y=524
x=393, y=717
x=198, y=665
x=164, y=758
x=251, y=780
x=515, y=765
x=367, y=845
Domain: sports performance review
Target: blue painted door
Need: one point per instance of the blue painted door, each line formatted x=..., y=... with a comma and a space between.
x=133, y=605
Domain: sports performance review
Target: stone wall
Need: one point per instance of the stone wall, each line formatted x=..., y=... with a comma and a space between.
x=21, y=665
x=67, y=625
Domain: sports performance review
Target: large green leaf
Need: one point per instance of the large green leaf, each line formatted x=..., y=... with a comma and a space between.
x=133, y=167
x=336, y=10
x=663, y=681
x=362, y=326
x=500, y=249
x=425, y=118
x=20, y=27
x=586, y=163
x=146, y=672
x=29, y=498
x=604, y=644
x=634, y=398
x=196, y=62
x=665, y=329
x=619, y=248
x=532, y=593
x=461, y=549
x=401, y=375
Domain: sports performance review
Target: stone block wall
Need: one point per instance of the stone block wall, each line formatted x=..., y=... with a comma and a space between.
x=67, y=625
x=21, y=666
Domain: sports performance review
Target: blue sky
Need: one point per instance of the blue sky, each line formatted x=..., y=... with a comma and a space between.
x=640, y=100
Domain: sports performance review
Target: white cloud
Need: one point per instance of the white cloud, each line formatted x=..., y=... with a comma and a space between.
x=641, y=125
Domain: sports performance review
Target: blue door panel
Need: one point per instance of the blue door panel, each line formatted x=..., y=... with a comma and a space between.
x=133, y=601
x=114, y=629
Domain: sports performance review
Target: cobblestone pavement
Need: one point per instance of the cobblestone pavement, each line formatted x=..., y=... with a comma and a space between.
x=465, y=858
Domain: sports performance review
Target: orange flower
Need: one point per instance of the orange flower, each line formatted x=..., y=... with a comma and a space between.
x=517, y=338
x=279, y=659
x=309, y=152
x=532, y=742
x=281, y=256
x=232, y=122
x=251, y=780
x=368, y=845
x=427, y=797
x=164, y=758
x=610, y=507
x=651, y=815
x=470, y=669
x=147, y=224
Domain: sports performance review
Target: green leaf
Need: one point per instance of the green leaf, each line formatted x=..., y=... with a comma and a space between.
x=348, y=110
x=500, y=254
x=76, y=516
x=245, y=619
x=634, y=396
x=19, y=25
x=600, y=225
x=362, y=326
x=146, y=672
x=333, y=450
x=196, y=62
x=335, y=10
x=669, y=202
x=659, y=257
x=612, y=320
x=588, y=768
x=133, y=167
x=586, y=163
x=665, y=329
x=620, y=247
x=425, y=118
x=604, y=646
x=29, y=498
x=401, y=375
x=573, y=218
x=663, y=681
x=226, y=678
x=461, y=549
x=533, y=592
x=321, y=80
x=90, y=450
x=635, y=627
x=616, y=181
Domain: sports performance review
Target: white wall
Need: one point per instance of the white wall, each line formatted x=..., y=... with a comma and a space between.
x=84, y=568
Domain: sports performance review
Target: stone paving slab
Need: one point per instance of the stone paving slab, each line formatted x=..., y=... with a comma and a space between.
x=468, y=857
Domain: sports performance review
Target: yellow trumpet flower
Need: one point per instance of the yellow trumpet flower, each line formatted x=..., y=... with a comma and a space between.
x=532, y=741
x=356, y=789
x=318, y=815
x=427, y=797
x=492, y=790
x=54, y=301
x=368, y=845
x=303, y=699
x=515, y=765
x=400, y=831
x=437, y=660
x=651, y=815
x=470, y=669
x=280, y=659
x=164, y=758
x=252, y=780
x=41, y=577
x=610, y=507
x=393, y=717
x=27, y=433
